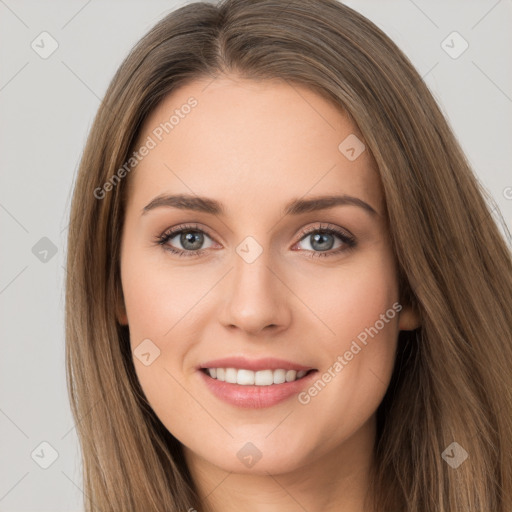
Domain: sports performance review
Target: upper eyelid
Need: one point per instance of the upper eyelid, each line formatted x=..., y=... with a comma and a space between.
x=328, y=227
x=176, y=231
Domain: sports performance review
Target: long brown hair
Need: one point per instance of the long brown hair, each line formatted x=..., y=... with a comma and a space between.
x=452, y=381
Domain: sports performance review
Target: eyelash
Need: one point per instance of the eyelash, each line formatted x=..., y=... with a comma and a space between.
x=348, y=240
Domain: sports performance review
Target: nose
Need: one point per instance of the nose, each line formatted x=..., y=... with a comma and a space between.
x=257, y=300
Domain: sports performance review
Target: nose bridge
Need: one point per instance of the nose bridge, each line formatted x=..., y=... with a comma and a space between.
x=256, y=299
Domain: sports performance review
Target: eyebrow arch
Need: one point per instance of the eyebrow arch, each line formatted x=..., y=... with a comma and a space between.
x=294, y=207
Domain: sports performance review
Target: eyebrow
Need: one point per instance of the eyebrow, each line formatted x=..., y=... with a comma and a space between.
x=294, y=207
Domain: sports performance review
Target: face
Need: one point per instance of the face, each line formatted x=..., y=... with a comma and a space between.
x=258, y=272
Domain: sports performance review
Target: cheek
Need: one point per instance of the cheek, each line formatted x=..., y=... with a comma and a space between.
x=158, y=297
x=356, y=340
x=162, y=306
x=349, y=299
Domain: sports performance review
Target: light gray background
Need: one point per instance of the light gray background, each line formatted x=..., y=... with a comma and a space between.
x=47, y=107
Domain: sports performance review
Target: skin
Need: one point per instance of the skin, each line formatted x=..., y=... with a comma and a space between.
x=254, y=146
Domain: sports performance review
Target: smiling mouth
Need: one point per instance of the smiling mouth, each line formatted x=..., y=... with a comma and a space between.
x=245, y=377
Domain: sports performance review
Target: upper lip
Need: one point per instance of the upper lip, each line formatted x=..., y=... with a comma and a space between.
x=266, y=363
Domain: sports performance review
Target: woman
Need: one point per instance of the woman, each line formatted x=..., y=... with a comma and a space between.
x=285, y=290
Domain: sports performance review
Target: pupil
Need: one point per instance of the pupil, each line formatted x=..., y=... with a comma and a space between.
x=188, y=238
x=319, y=238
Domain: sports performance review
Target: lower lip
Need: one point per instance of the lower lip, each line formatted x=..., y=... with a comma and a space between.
x=255, y=397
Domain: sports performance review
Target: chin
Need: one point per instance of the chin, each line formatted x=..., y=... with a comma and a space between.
x=257, y=458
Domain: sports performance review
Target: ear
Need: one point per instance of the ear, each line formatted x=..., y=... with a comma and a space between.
x=121, y=315
x=409, y=319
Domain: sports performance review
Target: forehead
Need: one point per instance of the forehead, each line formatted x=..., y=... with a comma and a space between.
x=254, y=141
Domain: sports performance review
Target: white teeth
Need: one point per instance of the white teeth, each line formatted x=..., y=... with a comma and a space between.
x=258, y=378
x=263, y=378
x=245, y=377
x=290, y=375
x=279, y=376
x=231, y=375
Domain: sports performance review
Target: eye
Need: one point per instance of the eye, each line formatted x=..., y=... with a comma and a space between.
x=322, y=239
x=190, y=237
